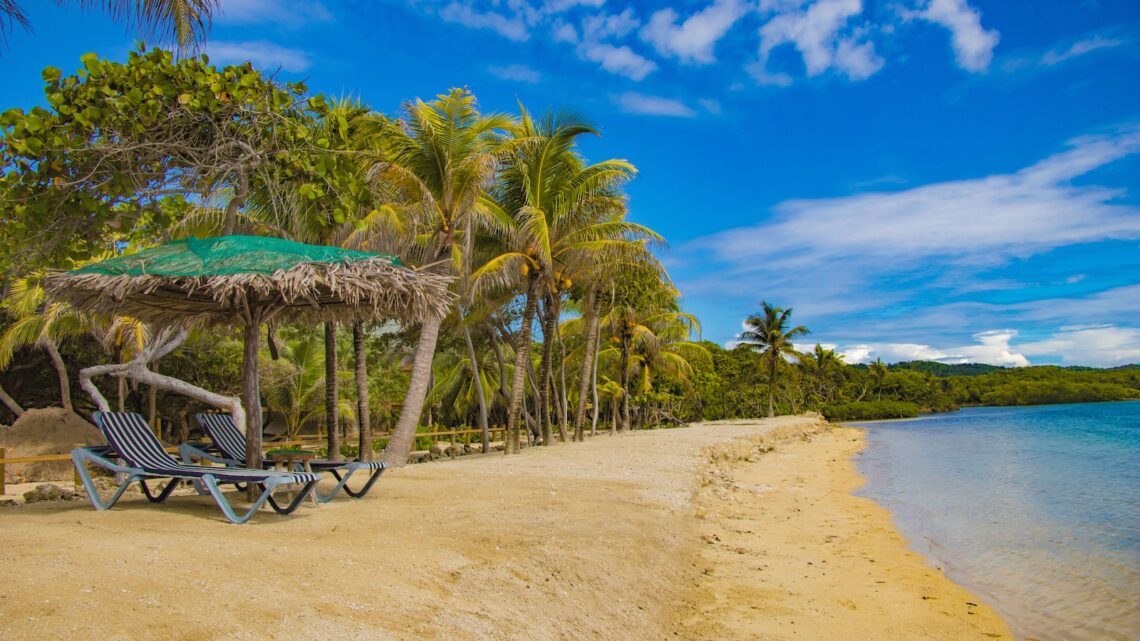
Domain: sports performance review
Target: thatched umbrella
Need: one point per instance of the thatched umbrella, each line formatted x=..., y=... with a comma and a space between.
x=249, y=280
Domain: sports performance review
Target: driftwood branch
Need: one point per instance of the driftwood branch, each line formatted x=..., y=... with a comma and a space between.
x=136, y=369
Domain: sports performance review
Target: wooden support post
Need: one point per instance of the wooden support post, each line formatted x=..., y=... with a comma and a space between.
x=75, y=473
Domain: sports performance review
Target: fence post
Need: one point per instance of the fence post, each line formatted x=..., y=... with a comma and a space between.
x=3, y=454
x=75, y=473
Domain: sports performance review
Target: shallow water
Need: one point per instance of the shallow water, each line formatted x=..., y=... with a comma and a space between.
x=1036, y=509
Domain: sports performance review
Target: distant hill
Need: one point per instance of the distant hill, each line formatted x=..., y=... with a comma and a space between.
x=943, y=370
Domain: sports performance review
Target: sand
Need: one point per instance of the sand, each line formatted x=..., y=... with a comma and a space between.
x=50, y=430
x=627, y=537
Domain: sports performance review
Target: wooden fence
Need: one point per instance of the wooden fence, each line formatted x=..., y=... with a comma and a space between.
x=301, y=442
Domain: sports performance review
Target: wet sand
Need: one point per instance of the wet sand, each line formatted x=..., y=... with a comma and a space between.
x=637, y=536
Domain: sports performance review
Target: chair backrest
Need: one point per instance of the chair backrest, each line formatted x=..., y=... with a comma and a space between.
x=222, y=431
x=130, y=436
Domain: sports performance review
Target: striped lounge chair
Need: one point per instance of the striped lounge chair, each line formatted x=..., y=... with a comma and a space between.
x=142, y=458
x=228, y=448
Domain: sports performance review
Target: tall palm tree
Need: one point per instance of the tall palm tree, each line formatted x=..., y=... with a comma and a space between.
x=769, y=333
x=554, y=212
x=181, y=22
x=878, y=370
x=438, y=162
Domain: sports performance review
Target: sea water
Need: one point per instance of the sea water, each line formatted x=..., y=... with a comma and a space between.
x=1035, y=509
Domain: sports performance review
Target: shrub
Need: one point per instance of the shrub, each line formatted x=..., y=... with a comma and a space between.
x=870, y=410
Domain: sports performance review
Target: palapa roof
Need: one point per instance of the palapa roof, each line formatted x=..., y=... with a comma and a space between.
x=216, y=280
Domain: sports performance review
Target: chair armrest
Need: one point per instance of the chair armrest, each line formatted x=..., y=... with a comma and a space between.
x=191, y=451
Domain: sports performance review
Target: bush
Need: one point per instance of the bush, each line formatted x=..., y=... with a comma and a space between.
x=870, y=410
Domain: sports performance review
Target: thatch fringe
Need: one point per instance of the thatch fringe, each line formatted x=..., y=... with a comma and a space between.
x=345, y=291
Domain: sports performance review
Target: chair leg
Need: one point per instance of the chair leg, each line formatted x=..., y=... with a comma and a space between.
x=268, y=488
x=80, y=457
x=297, y=500
x=165, y=491
x=342, y=483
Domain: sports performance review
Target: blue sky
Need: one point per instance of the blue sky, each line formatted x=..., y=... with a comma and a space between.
x=941, y=179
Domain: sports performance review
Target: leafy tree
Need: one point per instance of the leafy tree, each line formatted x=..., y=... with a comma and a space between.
x=117, y=139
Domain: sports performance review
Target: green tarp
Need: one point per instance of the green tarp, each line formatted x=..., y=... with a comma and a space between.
x=225, y=256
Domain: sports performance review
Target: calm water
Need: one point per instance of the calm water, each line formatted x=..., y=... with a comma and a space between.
x=1036, y=509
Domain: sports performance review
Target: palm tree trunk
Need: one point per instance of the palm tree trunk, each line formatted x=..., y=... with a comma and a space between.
x=61, y=373
x=563, y=400
x=504, y=389
x=478, y=376
x=404, y=434
x=10, y=403
x=587, y=365
x=251, y=396
x=518, y=380
x=625, y=371
x=544, y=375
x=332, y=393
x=594, y=392
x=363, y=412
x=771, y=385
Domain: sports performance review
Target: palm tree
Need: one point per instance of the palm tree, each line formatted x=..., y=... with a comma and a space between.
x=438, y=162
x=819, y=364
x=769, y=334
x=554, y=214
x=661, y=346
x=636, y=323
x=182, y=22
x=43, y=324
x=878, y=371
x=294, y=382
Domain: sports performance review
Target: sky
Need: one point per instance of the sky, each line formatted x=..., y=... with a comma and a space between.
x=951, y=180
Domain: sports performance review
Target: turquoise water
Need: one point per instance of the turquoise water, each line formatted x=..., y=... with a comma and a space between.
x=1036, y=509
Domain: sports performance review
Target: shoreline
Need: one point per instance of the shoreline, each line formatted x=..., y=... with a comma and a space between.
x=791, y=552
x=604, y=539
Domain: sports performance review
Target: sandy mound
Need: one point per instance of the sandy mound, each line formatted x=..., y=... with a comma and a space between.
x=51, y=430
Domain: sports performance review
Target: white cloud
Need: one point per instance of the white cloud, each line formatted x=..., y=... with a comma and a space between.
x=558, y=6
x=603, y=26
x=935, y=244
x=692, y=40
x=288, y=13
x=261, y=53
x=978, y=220
x=1096, y=345
x=823, y=35
x=512, y=28
x=622, y=60
x=1079, y=48
x=1032, y=61
x=564, y=32
x=517, y=73
x=709, y=105
x=990, y=347
x=973, y=44
x=637, y=103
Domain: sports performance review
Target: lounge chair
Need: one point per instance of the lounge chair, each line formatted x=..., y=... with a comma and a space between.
x=228, y=448
x=144, y=459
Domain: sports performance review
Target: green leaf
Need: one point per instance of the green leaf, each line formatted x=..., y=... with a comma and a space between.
x=51, y=74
